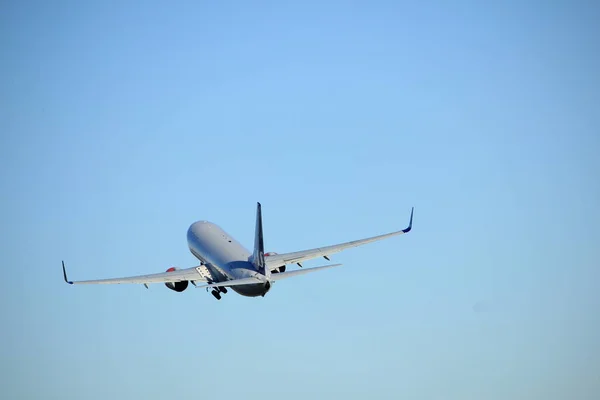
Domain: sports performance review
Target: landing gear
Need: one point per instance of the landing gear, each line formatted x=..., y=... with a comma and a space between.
x=217, y=291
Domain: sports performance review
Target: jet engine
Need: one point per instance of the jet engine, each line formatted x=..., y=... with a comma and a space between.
x=176, y=286
x=278, y=269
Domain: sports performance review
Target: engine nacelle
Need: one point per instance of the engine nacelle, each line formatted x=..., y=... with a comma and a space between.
x=176, y=286
x=278, y=269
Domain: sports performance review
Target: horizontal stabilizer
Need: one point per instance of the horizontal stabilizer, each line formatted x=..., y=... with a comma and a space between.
x=234, y=282
x=291, y=274
x=274, y=277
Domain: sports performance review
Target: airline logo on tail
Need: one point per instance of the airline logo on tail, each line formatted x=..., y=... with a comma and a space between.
x=258, y=257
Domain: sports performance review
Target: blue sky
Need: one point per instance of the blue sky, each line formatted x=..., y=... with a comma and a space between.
x=121, y=124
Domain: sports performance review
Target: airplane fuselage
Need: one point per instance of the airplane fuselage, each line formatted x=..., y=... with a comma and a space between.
x=225, y=257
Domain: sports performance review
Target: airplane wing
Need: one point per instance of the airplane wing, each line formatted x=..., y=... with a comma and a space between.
x=179, y=275
x=277, y=260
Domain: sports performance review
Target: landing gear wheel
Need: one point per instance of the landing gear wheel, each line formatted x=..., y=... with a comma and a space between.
x=216, y=294
x=223, y=289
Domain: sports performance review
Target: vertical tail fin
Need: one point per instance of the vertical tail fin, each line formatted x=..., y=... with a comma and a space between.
x=258, y=257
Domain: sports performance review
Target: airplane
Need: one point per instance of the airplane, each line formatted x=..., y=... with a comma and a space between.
x=225, y=263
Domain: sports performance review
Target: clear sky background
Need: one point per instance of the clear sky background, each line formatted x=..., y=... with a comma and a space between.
x=123, y=122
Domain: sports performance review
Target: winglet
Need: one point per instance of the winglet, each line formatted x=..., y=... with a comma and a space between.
x=410, y=223
x=65, y=274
